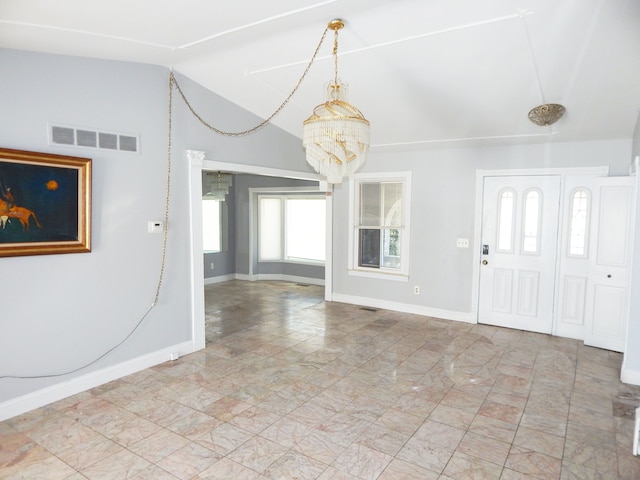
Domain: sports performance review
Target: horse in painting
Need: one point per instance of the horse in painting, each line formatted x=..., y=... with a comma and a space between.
x=21, y=213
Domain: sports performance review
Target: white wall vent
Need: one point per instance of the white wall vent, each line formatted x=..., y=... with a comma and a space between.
x=92, y=138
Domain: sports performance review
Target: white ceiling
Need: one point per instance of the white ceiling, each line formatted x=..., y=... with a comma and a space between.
x=424, y=72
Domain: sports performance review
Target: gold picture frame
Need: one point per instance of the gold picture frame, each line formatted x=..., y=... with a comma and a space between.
x=45, y=203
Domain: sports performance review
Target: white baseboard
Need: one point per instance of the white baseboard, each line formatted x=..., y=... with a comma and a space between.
x=629, y=376
x=66, y=388
x=280, y=277
x=220, y=279
x=469, y=317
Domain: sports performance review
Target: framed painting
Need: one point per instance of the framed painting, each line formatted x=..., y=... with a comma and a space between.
x=45, y=203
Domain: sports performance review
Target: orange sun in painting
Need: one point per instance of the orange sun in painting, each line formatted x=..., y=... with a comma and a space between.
x=52, y=185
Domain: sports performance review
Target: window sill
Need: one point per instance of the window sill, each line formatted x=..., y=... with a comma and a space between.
x=296, y=262
x=397, y=277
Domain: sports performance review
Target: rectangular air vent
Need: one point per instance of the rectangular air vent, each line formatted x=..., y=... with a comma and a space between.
x=93, y=138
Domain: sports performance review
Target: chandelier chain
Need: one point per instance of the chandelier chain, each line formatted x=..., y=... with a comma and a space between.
x=335, y=56
x=174, y=83
x=167, y=202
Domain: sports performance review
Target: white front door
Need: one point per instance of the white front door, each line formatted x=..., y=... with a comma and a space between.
x=518, y=258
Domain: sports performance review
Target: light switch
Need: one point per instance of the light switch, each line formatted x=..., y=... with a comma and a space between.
x=155, y=226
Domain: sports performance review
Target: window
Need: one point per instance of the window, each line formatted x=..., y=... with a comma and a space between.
x=506, y=212
x=211, y=238
x=305, y=237
x=578, y=227
x=531, y=222
x=380, y=230
x=292, y=228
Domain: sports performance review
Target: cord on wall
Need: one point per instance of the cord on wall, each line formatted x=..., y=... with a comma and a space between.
x=160, y=275
x=69, y=372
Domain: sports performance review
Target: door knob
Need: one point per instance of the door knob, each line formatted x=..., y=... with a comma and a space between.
x=485, y=262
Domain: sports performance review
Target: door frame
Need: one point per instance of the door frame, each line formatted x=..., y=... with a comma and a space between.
x=602, y=171
x=197, y=164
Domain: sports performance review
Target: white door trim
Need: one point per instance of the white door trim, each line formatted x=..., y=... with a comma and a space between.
x=477, y=234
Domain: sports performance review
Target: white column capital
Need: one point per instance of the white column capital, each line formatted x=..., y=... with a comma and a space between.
x=196, y=157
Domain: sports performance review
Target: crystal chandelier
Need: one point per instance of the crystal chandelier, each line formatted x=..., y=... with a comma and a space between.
x=218, y=185
x=336, y=135
x=546, y=114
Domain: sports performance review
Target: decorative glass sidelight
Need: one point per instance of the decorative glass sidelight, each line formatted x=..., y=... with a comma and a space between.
x=579, y=222
x=531, y=222
x=506, y=212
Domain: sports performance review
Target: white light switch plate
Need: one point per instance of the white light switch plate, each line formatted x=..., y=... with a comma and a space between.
x=155, y=226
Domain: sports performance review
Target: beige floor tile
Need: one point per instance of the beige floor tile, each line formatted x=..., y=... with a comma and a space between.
x=533, y=463
x=538, y=441
x=431, y=456
x=290, y=386
x=257, y=453
x=463, y=466
x=485, y=448
x=226, y=469
x=119, y=466
x=189, y=461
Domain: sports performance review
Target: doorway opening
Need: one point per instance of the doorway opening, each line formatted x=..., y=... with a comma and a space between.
x=198, y=164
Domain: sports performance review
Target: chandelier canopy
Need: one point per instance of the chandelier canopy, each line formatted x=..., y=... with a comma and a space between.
x=336, y=135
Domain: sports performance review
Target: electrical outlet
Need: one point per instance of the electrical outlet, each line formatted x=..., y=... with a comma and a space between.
x=211, y=265
x=462, y=243
x=416, y=290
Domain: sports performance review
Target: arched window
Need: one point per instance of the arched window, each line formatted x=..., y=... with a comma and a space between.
x=531, y=217
x=506, y=212
x=579, y=224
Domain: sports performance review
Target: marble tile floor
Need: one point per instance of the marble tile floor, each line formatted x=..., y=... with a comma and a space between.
x=292, y=387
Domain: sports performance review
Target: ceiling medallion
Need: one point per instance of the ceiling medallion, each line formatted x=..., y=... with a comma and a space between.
x=546, y=114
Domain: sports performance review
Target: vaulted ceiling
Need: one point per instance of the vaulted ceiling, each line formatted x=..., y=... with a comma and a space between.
x=424, y=72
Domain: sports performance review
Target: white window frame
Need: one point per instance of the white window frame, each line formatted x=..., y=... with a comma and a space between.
x=283, y=197
x=401, y=274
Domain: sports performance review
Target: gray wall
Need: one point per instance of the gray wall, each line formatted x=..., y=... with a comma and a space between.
x=443, y=209
x=60, y=312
